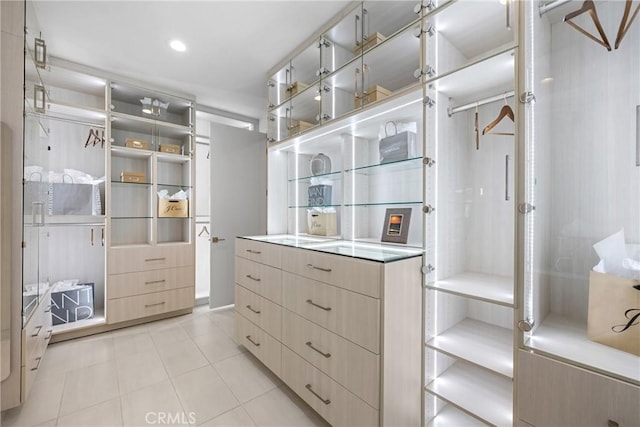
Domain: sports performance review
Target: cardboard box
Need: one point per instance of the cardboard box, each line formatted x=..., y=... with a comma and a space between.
x=299, y=126
x=322, y=224
x=72, y=305
x=296, y=87
x=139, y=143
x=169, y=208
x=171, y=148
x=373, y=94
x=368, y=43
x=614, y=312
x=137, y=177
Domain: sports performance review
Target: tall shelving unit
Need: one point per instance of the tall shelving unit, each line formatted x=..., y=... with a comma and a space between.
x=65, y=123
x=580, y=185
x=470, y=233
x=462, y=198
x=152, y=135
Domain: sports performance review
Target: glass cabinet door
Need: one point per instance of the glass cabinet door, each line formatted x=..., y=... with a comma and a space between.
x=580, y=214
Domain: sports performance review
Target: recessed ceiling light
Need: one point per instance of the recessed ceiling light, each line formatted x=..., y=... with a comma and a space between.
x=178, y=45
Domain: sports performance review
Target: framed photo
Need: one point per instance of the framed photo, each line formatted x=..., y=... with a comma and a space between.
x=396, y=225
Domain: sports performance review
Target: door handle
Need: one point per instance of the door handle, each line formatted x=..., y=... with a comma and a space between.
x=216, y=239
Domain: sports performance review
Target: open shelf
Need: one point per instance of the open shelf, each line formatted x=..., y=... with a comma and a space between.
x=450, y=416
x=480, y=343
x=567, y=339
x=130, y=152
x=477, y=391
x=481, y=286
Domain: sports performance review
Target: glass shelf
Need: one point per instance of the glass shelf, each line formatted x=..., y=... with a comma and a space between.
x=324, y=175
x=309, y=207
x=405, y=164
x=130, y=183
x=382, y=204
x=174, y=185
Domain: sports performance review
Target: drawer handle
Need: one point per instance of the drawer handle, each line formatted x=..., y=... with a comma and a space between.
x=36, y=331
x=327, y=355
x=38, y=359
x=154, y=259
x=49, y=333
x=48, y=310
x=318, y=305
x=325, y=401
x=153, y=305
x=255, y=311
x=328, y=270
x=257, y=279
x=257, y=344
x=155, y=281
x=254, y=252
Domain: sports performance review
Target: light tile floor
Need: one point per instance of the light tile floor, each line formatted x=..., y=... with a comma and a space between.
x=181, y=371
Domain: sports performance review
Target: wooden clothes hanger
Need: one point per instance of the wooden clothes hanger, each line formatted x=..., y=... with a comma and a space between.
x=624, y=26
x=589, y=7
x=505, y=111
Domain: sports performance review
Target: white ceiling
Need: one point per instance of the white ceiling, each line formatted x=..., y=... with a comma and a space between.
x=231, y=45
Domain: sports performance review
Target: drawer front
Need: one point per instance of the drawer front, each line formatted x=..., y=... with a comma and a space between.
x=260, y=311
x=262, y=279
x=262, y=345
x=144, y=258
x=347, y=363
x=135, y=307
x=35, y=338
x=356, y=275
x=353, y=316
x=37, y=332
x=264, y=253
x=145, y=282
x=332, y=401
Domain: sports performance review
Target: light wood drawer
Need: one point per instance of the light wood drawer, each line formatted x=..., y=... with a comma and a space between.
x=356, y=275
x=37, y=332
x=144, y=258
x=35, y=338
x=135, y=307
x=262, y=279
x=332, y=401
x=349, y=364
x=262, y=345
x=260, y=311
x=145, y=282
x=353, y=316
x=264, y=253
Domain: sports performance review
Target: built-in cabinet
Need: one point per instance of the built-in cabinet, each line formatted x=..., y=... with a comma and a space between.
x=580, y=210
x=108, y=191
x=151, y=261
x=339, y=322
x=515, y=174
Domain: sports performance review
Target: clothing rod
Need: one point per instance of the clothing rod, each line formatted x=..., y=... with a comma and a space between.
x=63, y=119
x=452, y=111
x=546, y=7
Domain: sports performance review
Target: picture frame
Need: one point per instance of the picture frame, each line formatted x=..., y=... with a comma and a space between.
x=396, y=225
